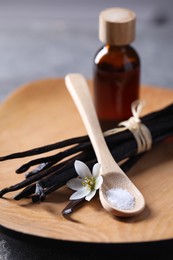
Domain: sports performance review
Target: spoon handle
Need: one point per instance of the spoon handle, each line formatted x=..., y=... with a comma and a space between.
x=78, y=88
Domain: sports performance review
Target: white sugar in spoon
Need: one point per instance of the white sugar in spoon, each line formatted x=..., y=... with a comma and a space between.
x=113, y=176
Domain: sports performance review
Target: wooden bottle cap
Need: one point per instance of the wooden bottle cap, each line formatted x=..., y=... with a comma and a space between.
x=117, y=26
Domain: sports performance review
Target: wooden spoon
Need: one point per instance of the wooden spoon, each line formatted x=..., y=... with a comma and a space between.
x=113, y=176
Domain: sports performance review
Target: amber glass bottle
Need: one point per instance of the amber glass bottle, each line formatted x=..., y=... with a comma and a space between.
x=116, y=76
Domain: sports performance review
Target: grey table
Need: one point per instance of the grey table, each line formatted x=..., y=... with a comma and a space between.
x=48, y=38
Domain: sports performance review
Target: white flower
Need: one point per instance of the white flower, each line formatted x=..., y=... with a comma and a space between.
x=87, y=183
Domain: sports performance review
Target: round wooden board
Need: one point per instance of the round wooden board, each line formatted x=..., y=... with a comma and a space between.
x=42, y=112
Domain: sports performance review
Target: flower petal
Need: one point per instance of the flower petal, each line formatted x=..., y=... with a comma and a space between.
x=80, y=193
x=96, y=170
x=99, y=182
x=90, y=195
x=75, y=184
x=82, y=169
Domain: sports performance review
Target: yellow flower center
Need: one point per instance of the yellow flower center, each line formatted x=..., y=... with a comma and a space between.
x=90, y=182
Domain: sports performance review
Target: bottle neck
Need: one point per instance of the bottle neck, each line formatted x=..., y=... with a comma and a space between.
x=116, y=47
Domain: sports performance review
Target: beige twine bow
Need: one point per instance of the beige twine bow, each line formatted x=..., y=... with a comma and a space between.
x=134, y=125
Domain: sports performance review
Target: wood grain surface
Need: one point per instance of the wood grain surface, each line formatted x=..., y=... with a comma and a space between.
x=42, y=112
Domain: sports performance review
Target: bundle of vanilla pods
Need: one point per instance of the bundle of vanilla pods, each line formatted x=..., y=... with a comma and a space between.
x=52, y=172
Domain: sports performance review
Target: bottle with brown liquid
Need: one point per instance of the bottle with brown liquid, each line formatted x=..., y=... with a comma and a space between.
x=116, y=76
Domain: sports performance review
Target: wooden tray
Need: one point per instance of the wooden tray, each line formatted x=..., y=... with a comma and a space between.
x=42, y=112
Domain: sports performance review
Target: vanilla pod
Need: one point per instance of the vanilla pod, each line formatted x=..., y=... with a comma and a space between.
x=57, y=169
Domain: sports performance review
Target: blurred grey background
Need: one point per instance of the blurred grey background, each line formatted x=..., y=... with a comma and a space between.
x=50, y=38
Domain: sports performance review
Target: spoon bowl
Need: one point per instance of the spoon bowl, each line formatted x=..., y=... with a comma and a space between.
x=114, y=179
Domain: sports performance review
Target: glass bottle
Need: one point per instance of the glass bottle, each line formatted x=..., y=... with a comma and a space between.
x=116, y=75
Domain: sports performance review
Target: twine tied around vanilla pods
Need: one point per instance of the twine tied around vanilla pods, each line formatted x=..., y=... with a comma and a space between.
x=140, y=132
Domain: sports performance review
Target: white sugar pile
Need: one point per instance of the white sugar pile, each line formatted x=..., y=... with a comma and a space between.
x=120, y=198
